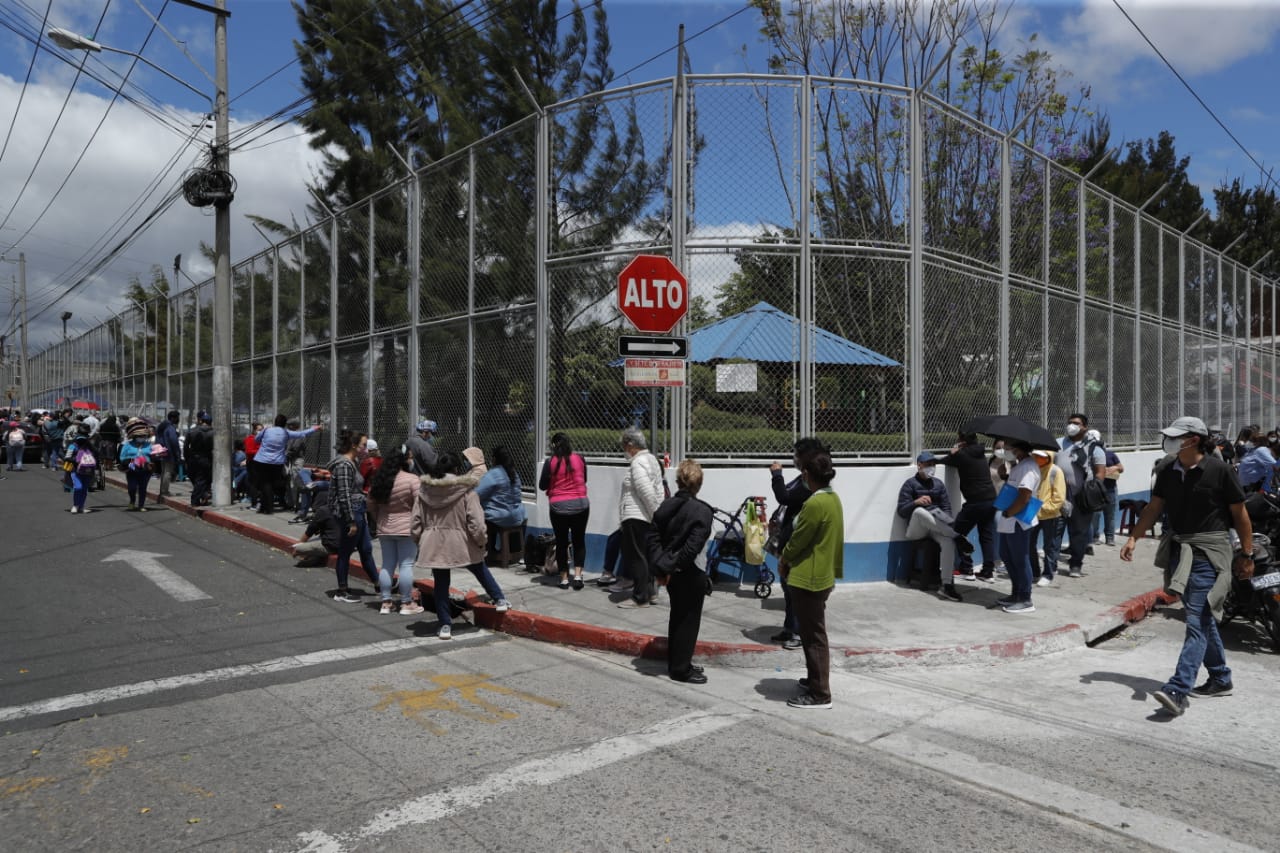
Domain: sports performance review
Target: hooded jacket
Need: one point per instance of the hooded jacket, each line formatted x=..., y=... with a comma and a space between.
x=448, y=523
x=970, y=462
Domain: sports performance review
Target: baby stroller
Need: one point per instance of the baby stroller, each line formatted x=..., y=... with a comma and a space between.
x=729, y=545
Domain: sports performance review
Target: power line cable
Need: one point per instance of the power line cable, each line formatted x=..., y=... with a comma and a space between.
x=13, y=122
x=1266, y=174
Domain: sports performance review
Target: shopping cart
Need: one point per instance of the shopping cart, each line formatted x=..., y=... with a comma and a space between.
x=729, y=546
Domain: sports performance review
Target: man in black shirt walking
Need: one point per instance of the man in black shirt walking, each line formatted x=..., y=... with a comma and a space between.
x=1203, y=499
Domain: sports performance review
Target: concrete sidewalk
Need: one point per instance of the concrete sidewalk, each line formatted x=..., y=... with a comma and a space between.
x=869, y=624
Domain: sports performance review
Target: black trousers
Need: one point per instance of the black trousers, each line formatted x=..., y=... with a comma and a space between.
x=811, y=613
x=570, y=529
x=200, y=470
x=687, y=590
x=982, y=515
x=635, y=558
x=271, y=482
x=1078, y=537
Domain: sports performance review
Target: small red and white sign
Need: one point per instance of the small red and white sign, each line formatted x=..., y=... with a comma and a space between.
x=654, y=372
x=652, y=294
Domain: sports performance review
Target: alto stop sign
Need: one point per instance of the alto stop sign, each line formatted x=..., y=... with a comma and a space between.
x=652, y=293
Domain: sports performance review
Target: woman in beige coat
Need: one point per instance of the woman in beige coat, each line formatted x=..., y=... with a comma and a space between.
x=448, y=523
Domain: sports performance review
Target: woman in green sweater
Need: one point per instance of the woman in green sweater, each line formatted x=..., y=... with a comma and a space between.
x=810, y=564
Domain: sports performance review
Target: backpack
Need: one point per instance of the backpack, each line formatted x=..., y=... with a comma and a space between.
x=86, y=462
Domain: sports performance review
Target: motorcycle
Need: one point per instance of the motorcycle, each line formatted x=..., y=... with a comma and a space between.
x=1256, y=599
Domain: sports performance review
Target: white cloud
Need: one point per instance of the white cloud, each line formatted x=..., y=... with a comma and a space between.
x=1101, y=47
x=128, y=153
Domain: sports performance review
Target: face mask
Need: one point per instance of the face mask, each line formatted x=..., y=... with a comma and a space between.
x=1004, y=455
x=929, y=472
x=1172, y=445
x=1073, y=430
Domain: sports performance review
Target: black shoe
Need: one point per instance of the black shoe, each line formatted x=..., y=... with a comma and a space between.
x=1088, y=551
x=1212, y=688
x=987, y=576
x=1174, y=703
x=963, y=545
x=950, y=591
x=693, y=677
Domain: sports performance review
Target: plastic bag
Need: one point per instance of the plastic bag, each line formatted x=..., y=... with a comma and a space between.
x=754, y=536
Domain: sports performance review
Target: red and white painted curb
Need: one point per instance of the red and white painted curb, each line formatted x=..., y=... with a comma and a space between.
x=549, y=629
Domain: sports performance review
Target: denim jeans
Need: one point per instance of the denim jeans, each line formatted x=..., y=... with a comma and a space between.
x=1049, y=531
x=358, y=542
x=79, y=490
x=1104, y=520
x=138, y=478
x=1202, y=643
x=398, y=553
x=15, y=456
x=440, y=593
x=1015, y=548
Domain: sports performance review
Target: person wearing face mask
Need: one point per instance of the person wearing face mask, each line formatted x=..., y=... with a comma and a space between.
x=924, y=503
x=1052, y=494
x=998, y=469
x=421, y=446
x=1081, y=460
x=1258, y=465
x=1015, y=534
x=1202, y=498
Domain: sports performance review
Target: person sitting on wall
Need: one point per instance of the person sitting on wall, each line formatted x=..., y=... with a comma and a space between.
x=923, y=501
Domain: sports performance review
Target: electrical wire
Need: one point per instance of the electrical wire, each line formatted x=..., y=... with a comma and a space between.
x=13, y=122
x=155, y=110
x=1266, y=173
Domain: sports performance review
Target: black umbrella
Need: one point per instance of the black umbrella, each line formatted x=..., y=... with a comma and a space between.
x=1014, y=428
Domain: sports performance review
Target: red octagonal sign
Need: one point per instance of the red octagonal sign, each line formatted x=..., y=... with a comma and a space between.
x=652, y=294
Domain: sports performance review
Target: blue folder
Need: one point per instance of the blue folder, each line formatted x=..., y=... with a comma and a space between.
x=1008, y=495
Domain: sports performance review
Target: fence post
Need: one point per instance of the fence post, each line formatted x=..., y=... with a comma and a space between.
x=541, y=210
x=808, y=402
x=333, y=322
x=414, y=227
x=915, y=285
x=1006, y=261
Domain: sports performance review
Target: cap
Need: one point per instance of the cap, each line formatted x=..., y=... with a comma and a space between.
x=1184, y=425
x=1093, y=435
x=926, y=457
x=371, y=445
x=427, y=426
x=1042, y=454
x=204, y=417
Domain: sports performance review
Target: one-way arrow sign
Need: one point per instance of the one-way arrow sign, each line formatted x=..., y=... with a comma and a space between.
x=637, y=345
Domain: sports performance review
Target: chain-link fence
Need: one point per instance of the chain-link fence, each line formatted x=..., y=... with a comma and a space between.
x=481, y=291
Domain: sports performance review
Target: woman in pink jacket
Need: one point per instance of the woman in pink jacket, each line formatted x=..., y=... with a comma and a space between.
x=393, y=492
x=448, y=524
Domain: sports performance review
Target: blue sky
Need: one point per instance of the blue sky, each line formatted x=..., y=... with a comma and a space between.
x=1226, y=50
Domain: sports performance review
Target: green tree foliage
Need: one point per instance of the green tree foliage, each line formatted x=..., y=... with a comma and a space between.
x=1147, y=166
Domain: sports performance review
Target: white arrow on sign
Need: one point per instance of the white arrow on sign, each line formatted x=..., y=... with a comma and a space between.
x=668, y=347
x=631, y=345
x=166, y=579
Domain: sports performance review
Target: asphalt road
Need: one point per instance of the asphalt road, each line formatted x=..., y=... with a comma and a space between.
x=488, y=743
x=84, y=610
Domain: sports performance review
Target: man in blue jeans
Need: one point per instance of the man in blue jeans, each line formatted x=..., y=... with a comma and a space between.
x=1202, y=497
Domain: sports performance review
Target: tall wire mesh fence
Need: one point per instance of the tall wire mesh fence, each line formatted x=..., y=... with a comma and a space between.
x=481, y=291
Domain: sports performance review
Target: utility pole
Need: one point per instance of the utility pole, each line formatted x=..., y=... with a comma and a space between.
x=222, y=274
x=22, y=291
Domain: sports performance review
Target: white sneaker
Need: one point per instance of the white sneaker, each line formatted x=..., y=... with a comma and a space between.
x=74, y=510
x=1044, y=581
x=445, y=633
x=502, y=605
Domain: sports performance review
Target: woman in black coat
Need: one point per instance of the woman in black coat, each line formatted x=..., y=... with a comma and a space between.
x=682, y=526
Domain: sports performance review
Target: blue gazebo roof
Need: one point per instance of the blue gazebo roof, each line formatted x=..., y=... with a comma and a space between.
x=763, y=333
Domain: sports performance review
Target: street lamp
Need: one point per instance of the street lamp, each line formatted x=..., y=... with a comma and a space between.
x=66, y=358
x=220, y=193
